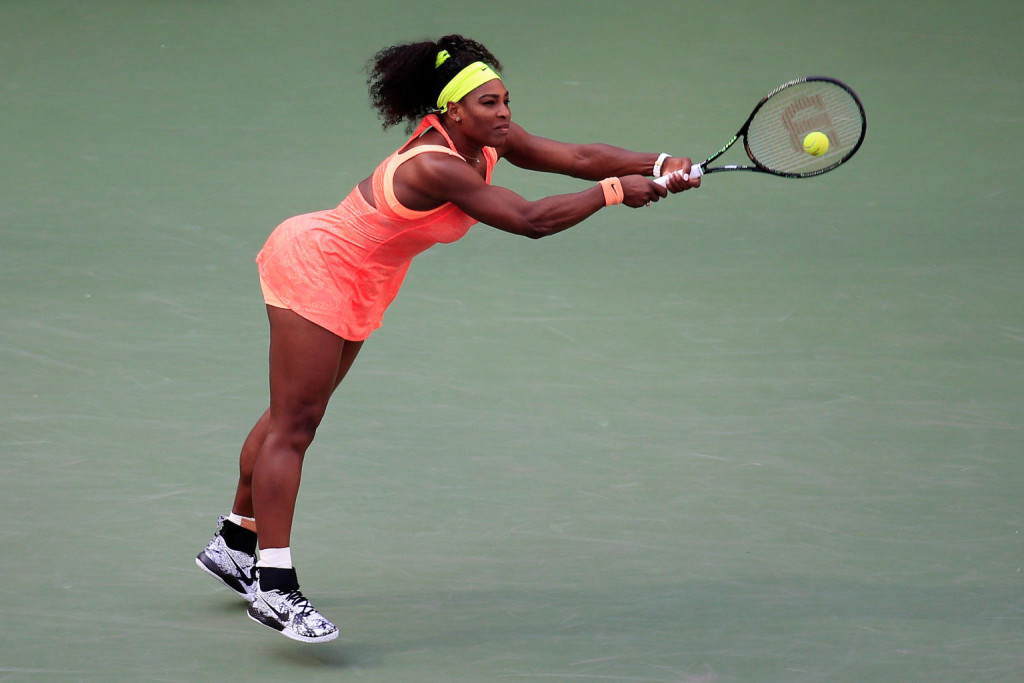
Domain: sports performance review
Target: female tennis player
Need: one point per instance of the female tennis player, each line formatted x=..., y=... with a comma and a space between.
x=327, y=277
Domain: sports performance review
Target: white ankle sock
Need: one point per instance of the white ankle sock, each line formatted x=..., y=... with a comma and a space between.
x=238, y=519
x=280, y=558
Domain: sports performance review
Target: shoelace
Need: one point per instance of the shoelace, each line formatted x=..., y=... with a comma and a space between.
x=299, y=603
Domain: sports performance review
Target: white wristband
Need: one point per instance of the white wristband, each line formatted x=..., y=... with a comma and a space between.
x=658, y=163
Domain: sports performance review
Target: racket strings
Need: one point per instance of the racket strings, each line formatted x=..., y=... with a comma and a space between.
x=776, y=133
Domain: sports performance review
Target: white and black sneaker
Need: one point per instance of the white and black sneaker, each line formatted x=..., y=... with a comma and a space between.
x=235, y=568
x=284, y=608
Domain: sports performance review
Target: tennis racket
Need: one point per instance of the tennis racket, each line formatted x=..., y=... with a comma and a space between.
x=774, y=133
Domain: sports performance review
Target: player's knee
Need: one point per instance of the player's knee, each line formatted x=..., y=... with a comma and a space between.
x=304, y=430
x=300, y=427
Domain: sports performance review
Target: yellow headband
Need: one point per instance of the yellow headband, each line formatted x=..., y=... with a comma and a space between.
x=465, y=82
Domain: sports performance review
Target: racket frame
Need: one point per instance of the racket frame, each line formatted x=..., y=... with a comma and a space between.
x=703, y=168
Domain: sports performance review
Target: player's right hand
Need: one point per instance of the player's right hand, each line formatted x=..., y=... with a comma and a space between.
x=638, y=190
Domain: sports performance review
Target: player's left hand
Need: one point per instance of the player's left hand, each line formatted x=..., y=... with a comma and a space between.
x=678, y=170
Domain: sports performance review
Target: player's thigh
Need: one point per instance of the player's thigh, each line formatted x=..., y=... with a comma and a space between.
x=305, y=360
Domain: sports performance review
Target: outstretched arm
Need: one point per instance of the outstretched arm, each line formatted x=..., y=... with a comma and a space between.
x=439, y=178
x=587, y=161
x=436, y=179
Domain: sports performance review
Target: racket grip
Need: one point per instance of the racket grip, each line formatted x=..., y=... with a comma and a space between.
x=695, y=172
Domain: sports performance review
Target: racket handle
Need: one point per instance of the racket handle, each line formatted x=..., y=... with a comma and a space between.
x=695, y=172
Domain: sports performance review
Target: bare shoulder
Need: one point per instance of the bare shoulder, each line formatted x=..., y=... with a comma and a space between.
x=430, y=179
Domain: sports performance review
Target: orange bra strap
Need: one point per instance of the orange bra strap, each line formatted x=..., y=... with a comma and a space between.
x=384, y=176
x=431, y=121
x=387, y=184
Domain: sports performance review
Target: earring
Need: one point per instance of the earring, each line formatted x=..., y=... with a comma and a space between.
x=458, y=119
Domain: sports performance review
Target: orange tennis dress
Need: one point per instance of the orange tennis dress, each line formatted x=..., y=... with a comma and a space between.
x=342, y=268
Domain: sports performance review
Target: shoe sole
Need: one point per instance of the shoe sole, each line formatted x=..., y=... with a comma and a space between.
x=201, y=563
x=276, y=626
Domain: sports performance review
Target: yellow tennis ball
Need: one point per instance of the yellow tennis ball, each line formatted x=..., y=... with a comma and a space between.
x=816, y=143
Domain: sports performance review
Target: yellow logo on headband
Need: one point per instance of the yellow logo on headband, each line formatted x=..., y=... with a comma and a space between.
x=465, y=82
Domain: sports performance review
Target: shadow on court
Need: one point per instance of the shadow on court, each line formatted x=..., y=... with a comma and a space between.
x=816, y=626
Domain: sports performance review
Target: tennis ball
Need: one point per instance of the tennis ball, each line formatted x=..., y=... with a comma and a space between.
x=816, y=143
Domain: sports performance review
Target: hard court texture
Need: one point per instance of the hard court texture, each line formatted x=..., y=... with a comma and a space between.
x=769, y=430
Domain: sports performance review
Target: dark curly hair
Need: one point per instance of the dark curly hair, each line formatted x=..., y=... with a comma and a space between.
x=404, y=83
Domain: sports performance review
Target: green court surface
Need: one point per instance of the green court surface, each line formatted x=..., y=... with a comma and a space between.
x=769, y=430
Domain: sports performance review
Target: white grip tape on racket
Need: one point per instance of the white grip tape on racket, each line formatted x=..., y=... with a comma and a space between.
x=695, y=172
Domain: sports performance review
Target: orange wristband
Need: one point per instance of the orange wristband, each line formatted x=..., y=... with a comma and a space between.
x=612, y=188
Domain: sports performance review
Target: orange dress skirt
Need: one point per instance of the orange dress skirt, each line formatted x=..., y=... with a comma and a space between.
x=342, y=268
